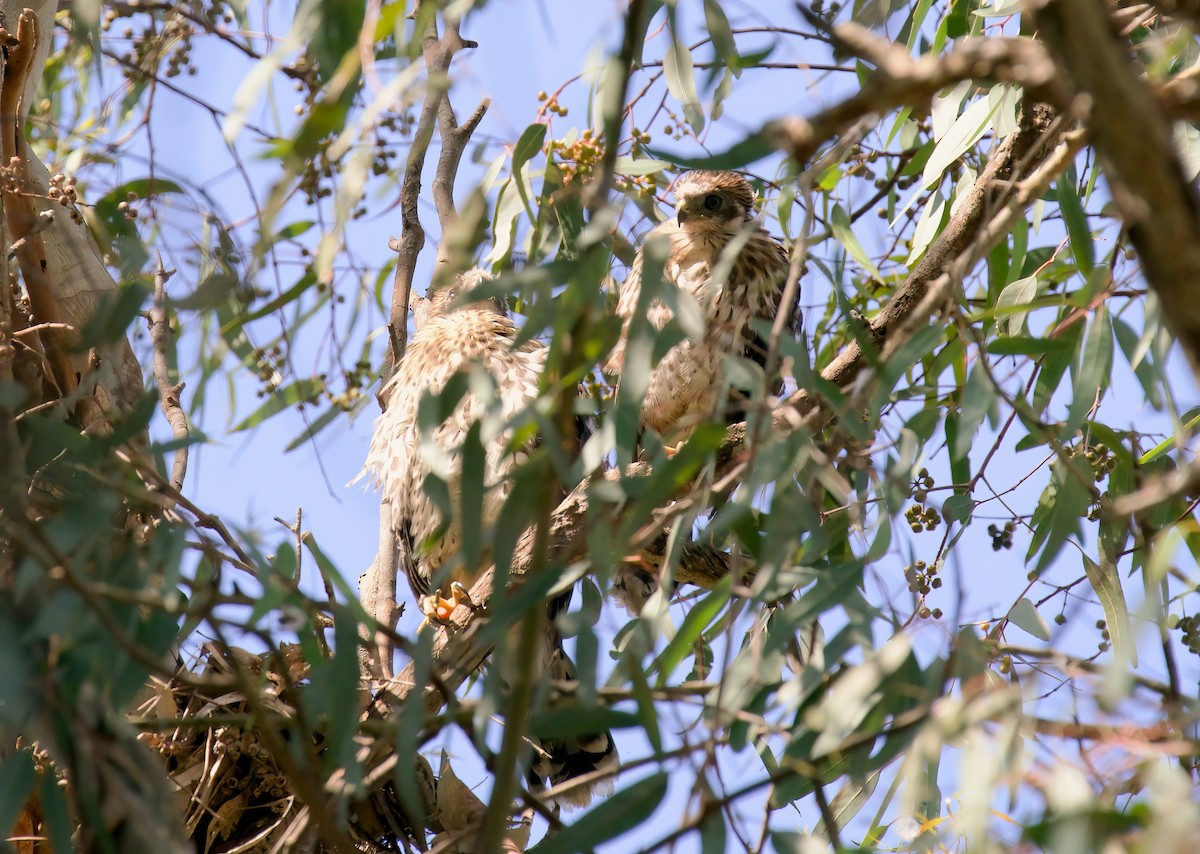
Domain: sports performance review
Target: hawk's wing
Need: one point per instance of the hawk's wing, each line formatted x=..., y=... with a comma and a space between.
x=418, y=579
x=776, y=261
x=630, y=293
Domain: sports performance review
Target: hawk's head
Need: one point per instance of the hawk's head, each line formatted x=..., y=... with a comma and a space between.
x=452, y=296
x=713, y=202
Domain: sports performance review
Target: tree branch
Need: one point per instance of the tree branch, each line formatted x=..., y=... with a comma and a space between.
x=377, y=586
x=168, y=392
x=1132, y=138
x=902, y=81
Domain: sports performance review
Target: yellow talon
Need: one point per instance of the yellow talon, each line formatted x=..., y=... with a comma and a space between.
x=438, y=609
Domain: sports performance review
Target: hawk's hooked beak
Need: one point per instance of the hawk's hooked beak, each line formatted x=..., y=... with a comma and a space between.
x=682, y=215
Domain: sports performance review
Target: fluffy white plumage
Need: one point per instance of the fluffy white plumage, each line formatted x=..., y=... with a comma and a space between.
x=453, y=337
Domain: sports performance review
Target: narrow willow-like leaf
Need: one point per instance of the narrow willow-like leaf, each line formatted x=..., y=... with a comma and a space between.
x=1024, y=615
x=1075, y=219
x=1106, y=582
x=301, y=391
x=1095, y=368
x=681, y=81
x=839, y=223
x=614, y=816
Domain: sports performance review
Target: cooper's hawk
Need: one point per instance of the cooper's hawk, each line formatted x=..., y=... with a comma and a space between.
x=713, y=211
x=714, y=218
x=453, y=337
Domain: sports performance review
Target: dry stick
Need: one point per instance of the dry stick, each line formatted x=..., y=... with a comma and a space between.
x=168, y=392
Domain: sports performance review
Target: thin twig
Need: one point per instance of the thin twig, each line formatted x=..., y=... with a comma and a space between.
x=168, y=392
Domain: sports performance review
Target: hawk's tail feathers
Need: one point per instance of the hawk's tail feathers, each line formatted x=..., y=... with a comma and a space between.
x=562, y=760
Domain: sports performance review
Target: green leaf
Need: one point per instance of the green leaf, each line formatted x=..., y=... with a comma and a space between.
x=304, y=390
x=294, y=230
x=572, y=720
x=1061, y=505
x=307, y=281
x=681, y=82
x=839, y=223
x=1143, y=367
x=1168, y=443
x=753, y=148
x=215, y=288
x=1054, y=368
x=928, y=227
x=336, y=36
x=978, y=397
x=958, y=508
x=854, y=693
x=1076, y=221
x=721, y=33
x=1024, y=615
x=56, y=815
x=17, y=777
x=1012, y=304
x=1023, y=345
x=619, y=813
x=958, y=21
x=1095, y=368
x=960, y=464
x=143, y=188
x=1106, y=582
x=329, y=416
x=527, y=147
x=965, y=132
x=699, y=618
x=632, y=168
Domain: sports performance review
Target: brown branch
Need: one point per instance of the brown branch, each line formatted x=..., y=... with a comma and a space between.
x=454, y=142
x=168, y=392
x=1160, y=207
x=436, y=108
x=377, y=586
x=901, y=81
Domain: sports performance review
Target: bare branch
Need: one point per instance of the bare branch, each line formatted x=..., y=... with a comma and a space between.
x=438, y=54
x=168, y=392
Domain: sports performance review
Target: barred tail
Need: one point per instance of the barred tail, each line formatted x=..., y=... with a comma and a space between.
x=559, y=761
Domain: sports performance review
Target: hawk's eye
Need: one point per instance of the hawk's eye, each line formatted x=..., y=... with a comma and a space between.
x=712, y=202
x=451, y=294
